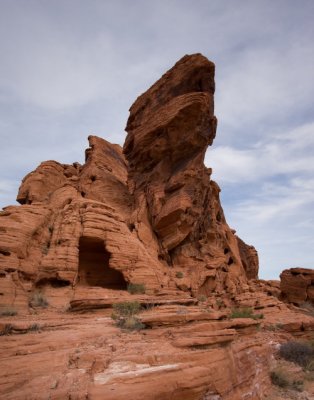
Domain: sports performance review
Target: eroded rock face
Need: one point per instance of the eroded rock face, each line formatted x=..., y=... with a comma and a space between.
x=43, y=242
x=297, y=285
x=249, y=258
x=149, y=214
x=169, y=129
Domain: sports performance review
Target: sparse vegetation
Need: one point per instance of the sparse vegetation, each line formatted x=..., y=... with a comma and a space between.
x=273, y=327
x=201, y=298
x=8, y=312
x=297, y=385
x=279, y=378
x=219, y=303
x=245, y=312
x=297, y=352
x=45, y=248
x=149, y=306
x=309, y=376
x=310, y=366
x=38, y=300
x=179, y=274
x=34, y=328
x=127, y=308
x=136, y=288
x=257, y=316
x=131, y=323
x=125, y=315
x=7, y=330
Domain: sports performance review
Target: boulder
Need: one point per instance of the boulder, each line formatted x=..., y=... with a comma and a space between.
x=297, y=285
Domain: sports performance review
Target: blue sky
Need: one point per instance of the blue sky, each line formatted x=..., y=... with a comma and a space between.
x=73, y=67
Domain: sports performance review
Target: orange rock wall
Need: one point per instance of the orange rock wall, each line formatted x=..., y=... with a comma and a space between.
x=154, y=208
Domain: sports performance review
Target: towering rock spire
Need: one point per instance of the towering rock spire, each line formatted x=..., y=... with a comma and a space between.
x=169, y=129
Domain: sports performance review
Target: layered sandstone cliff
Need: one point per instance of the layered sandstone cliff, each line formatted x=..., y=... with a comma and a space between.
x=151, y=211
x=148, y=214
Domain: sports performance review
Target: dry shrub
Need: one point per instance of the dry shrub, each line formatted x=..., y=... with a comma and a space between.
x=297, y=352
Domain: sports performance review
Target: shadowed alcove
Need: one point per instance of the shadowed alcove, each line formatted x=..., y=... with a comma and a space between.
x=94, y=267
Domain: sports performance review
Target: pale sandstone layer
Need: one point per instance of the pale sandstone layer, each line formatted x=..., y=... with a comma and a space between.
x=148, y=214
x=186, y=352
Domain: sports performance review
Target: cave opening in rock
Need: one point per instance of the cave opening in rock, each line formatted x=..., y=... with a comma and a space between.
x=94, y=269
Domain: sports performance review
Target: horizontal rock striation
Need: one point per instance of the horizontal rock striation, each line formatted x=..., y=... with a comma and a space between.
x=169, y=129
x=149, y=211
x=144, y=224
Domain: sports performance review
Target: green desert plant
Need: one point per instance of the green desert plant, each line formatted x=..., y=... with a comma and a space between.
x=149, y=306
x=33, y=328
x=125, y=315
x=245, y=312
x=309, y=376
x=310, y=366
x=127, y=308
x=257, y=316
x=219, y=303
x=38, y=300
x=45, y=248
x=273, y=327
x=179, y=274
x=6, y=330
x=297, y=385
x=279, y=378
x=8, y=312
x=136, y=288
x=131, y=324
x=201, y=298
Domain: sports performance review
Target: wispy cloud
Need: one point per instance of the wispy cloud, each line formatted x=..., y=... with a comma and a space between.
x=268, y=193
x=287, y=153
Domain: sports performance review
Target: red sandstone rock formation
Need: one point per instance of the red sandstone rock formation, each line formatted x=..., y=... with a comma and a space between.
x=297, y=285
x=169, y=129
x=249, y=258
x=153, y=217
x=147, y=214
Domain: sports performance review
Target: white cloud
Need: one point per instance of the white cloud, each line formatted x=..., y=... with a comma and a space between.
x=287, y=153
x=277, y=202
x=268, y=196
x=278, y=220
